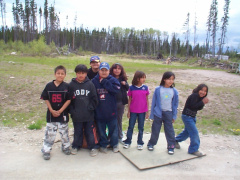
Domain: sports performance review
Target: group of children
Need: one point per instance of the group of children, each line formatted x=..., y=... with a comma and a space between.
x=96, y=98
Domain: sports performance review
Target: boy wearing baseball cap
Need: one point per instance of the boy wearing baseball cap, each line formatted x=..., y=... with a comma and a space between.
x=105, y=114
x=93, y=70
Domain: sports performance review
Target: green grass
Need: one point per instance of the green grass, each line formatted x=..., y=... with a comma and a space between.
x=23, y=79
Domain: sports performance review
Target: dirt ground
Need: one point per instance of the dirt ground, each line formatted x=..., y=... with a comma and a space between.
x=21, y=158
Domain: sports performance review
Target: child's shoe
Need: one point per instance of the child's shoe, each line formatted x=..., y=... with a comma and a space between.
x=198, y=153
x=126, y=146
x=140, y=147
x=67, y=151
x=171, y=151
x=46, y=156
x=177, y=146
x=93, y=152
x=103, y=150
x=115, y=149
x=74, y=151
x=150, y=147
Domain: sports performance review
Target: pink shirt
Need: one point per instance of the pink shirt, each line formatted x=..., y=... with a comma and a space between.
x=139, y=98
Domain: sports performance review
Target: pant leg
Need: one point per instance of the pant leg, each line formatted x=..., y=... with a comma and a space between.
x=141, y=120
x=78, y=135
x=132, y=121
x=88, y=131
x=190, y=125
x=103, y=139
x=120, y=111
x=63, y=130
x=113, y=132
x=156, y=127
x=168, y=128
x=50, y=135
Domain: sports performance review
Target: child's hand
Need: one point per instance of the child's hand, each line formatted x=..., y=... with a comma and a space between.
x=147, y=115
x=205, y=100
x=173, y=121
x=123, y=82
x=128, y=115
x=55, y=113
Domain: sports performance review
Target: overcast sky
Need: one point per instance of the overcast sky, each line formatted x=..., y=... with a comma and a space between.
x=168, y=15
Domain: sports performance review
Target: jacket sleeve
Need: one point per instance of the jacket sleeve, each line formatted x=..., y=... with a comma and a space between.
x=175, y=104
x=126, y=86
x=154, y=98
x=93, y=98
x=112, y=86
x=194, y=103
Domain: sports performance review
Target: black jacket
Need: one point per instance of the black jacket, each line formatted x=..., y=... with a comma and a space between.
x=83, y=105
x=193, y=104
x=122, y=94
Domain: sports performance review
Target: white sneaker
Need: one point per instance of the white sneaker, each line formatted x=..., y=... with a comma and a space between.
x=140, y=147
x=74, y=151
x=126, y=146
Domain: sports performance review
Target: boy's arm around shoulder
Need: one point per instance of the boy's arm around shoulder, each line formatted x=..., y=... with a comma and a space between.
x=175, y=103
x=111, y=85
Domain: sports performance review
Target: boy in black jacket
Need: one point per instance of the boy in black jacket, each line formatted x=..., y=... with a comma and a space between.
x=82, y=109
x=106, y=112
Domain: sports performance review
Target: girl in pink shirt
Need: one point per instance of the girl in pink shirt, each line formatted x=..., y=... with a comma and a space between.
x=137, y=108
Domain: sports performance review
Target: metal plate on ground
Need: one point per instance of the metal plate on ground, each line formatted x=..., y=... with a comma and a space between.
x=145, y=159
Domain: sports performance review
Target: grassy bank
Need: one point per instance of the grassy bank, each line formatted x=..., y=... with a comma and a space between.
x=23, y=79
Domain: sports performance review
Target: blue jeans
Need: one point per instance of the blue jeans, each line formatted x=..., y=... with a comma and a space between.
x=132, y=121
x=191, y=131
x=113, y=132
x=78, y=134
x=166, y=119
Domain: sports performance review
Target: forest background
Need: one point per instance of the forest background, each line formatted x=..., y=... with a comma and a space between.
x=32, y=21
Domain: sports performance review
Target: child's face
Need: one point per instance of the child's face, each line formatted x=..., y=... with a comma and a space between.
x=103, y=73
x=60, y=75
x=202, y=92
x=169, y=82
x=95, y=65
x=117, y=71
x=142, y=80
x=81, y=76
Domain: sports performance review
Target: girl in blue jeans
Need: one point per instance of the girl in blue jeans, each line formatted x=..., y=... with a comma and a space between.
x=137, y=108
x=164, y=111
x=194, y=103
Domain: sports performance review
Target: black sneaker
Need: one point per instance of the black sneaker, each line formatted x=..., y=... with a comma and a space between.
x=150, y=147
x=46, y=156
x=177, y=146
x=171, y=151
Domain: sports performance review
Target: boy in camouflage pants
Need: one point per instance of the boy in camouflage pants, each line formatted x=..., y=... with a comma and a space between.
x=57, y=97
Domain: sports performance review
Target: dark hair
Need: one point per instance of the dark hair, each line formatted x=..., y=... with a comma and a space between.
x=81, y=68
x=167, y=75
x=137, y=76
x=122, y=75
x=199, y=87
x=60, y=67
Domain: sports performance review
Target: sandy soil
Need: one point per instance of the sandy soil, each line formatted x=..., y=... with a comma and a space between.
x=21, y=158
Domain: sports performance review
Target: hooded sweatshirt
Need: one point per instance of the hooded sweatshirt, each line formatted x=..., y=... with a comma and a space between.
x=106, y=91
x=83, y=105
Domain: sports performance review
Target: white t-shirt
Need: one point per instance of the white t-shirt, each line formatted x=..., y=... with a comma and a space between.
x=166, y=95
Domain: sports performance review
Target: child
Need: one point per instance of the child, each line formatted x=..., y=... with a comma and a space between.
x=194, y=103
x=94, y=63
x=82, y=109
x=106, y=112
x=137, y=108
x=164, y=110
x=118, y=72
x=57, y=97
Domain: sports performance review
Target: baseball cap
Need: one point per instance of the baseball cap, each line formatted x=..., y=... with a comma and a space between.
x=94, y=58
x=104, y=65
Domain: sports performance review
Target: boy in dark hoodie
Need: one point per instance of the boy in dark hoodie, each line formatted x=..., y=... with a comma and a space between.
x=82, y=109
x=106, y=112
